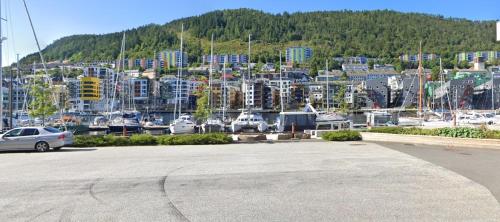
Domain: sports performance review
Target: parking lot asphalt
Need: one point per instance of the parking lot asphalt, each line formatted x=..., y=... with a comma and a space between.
x=322, y=181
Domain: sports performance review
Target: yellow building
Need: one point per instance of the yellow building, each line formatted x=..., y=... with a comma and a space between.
x=89, y=88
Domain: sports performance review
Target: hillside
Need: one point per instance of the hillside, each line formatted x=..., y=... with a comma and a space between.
x=384, y=34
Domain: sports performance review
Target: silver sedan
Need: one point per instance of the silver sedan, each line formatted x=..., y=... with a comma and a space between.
x=35, y=138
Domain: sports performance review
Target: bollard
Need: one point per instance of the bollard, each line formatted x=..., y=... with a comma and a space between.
x=293, y=130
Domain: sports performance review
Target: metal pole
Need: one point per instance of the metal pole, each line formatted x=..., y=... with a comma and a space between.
x=327, y=88
x=492, y=92
x=182, y=66
x=17, y=84
x=1, y=72
x=224, y=91
x=210, y=76
x=420, y=78
x=281, y=87
x=10, y=99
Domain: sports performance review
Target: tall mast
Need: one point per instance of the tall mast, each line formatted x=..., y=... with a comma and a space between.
x=441, y=81
x=249, y=51
x=17, y=84
x=10, y=98
x=421, y=82
x=121, y=62
x=123, y=74
x=327, y=88
x=182, y=66
x=492, y=91
x=224, y=93
x=1, y=71
x=210, y=76
x=281, y=87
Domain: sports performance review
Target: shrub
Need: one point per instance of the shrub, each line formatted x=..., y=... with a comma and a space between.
x=195, y=139
x=462, y=132
x=492, y=134
x=459, y=132
x=143, y=139
x=401, y=130
x=387, y=129
x=343, y=135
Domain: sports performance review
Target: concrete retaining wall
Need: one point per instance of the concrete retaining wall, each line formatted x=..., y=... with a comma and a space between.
x=432, y=140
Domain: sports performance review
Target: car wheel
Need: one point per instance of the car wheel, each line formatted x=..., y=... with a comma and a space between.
x=42, y=146
x=57, y=148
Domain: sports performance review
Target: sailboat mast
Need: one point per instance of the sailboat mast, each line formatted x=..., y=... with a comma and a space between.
x=281, y=87
x=420, y=78
x=492, y=92
x=441, y=81
x=181, y=66
x=224, y=93
x=210, y=76
x=123, y=73
x=115, y=77
x=327, y=88
x=1, y=71
x=17, y=83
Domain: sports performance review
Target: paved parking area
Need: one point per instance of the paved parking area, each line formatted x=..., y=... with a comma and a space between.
x=320, y=181
x=479, y=165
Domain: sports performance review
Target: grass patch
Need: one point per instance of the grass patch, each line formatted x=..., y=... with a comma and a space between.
x=343, y=135
x=146, y=139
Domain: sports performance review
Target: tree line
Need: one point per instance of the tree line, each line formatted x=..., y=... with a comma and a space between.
x=378, y=34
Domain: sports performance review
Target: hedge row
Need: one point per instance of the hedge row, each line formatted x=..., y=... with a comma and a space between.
x=458, y=132
x=146, y=139
x=342, y=135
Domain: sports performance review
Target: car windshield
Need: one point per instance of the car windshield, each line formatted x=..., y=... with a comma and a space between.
x=51, y=130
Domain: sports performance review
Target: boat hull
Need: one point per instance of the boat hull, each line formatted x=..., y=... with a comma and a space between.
x=119, y=129
x=181, y=129
x=213, y=128
x=241, y=127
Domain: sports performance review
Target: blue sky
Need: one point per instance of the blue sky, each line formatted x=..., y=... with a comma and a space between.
x=57, y=18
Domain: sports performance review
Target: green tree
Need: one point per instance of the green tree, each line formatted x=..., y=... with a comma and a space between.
x=435, y=73
x=313, y=72
x=340, y=99
x=344, y=76
x=371, y=63
x=41, y=105
x=202, y=110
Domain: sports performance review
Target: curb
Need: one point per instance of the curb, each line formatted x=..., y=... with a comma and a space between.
x=432, y=140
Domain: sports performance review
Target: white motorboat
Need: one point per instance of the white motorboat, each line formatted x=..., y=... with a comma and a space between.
x=249, y=121
x=213, y=125
x=476, y=118
x=379, y=118
x=183, y=124
x=126, y=121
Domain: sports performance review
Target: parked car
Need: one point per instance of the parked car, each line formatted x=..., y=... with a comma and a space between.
x=40, y=139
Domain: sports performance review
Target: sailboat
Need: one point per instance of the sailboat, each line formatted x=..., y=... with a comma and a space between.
x=184, y=123
x=212, y=124
x=328, y=116
x=248, y=120
x=123, y=121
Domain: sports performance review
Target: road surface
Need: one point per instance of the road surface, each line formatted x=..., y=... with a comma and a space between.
x=320, y=181
x=479, y=165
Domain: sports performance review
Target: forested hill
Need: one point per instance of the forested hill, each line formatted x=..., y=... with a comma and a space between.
x=384, y=34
